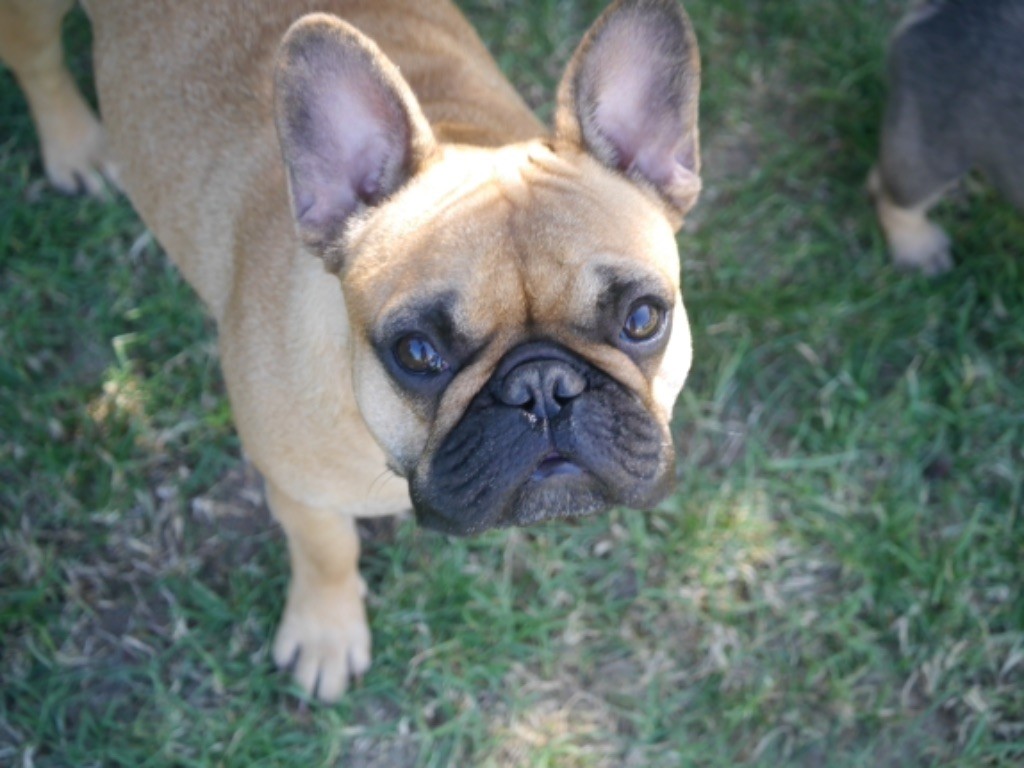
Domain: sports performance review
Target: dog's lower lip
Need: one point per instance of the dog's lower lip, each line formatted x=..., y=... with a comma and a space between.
x=555, y=464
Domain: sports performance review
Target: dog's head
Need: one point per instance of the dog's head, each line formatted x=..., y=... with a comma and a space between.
x=519, y=335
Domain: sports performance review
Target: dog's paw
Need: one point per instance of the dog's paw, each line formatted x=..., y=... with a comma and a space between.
x=324, y=637
x=915, y=244
x=925, y=249
x=74, y=145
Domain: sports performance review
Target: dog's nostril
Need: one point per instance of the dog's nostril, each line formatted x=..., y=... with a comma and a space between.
x=569, y=385
x=518, y=391
x=562, y=400
x=541, y=387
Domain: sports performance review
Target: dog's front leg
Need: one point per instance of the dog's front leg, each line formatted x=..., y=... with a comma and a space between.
x=72, y=139
x=324, y=632
x=915, y=243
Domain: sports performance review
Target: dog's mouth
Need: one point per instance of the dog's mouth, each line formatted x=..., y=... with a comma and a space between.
x=555, y=464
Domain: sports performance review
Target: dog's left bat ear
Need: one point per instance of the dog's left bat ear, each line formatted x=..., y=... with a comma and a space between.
x=629, y=97
x=350, y=128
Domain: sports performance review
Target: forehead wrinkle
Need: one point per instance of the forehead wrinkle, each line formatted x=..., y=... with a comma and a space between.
x=550, y=266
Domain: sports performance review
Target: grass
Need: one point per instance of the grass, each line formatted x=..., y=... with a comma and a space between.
x=837, y=581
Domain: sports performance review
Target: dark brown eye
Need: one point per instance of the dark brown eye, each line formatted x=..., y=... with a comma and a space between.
x=643, y=323
x=416, y=354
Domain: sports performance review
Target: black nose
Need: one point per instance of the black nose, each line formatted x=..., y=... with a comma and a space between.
x=542, y=387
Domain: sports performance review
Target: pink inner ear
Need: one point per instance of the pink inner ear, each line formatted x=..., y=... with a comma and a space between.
x=635, y=95
x=636, y=116
x=317, y=201
x=666, y=161
x=356, y=135
x=621, y=114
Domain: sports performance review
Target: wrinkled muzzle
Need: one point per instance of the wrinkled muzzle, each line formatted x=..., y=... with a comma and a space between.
x=548, y=436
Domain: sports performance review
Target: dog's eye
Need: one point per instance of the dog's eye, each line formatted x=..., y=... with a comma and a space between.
x=416, y=354
x=644, y=321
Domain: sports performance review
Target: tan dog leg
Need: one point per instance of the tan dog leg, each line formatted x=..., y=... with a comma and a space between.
x=324, y=630
x=914, y=242
x=71, y=137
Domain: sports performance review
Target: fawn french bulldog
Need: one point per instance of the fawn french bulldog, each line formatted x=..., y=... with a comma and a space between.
x=409, y=272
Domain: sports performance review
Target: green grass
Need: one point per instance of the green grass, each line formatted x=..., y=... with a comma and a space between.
x=837, y=581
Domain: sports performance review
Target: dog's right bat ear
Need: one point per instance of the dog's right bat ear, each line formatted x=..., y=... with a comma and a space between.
x=629, y=97
x=350, y=128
